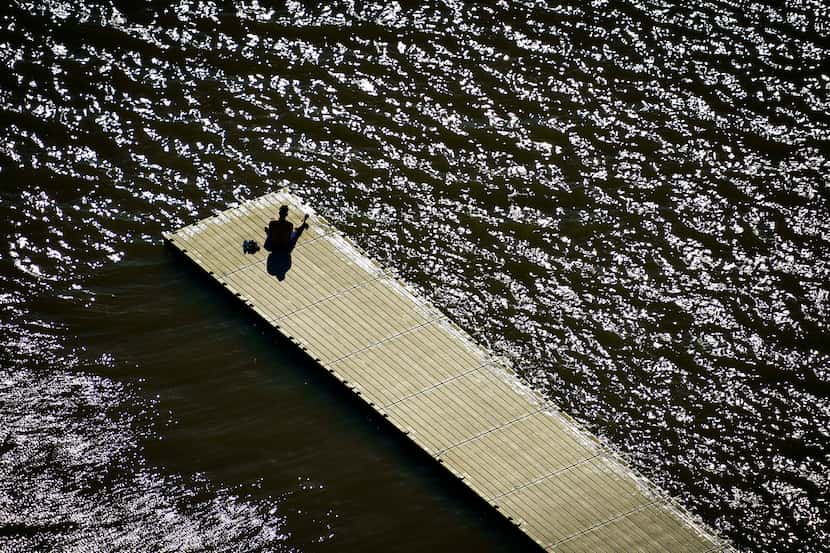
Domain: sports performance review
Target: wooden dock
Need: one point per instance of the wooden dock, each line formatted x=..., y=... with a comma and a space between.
x=466, y=408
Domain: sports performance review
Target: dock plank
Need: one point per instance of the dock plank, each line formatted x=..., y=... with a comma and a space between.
x=559, y=484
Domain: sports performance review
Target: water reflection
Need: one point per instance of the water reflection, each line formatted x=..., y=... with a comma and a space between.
x=625, y=199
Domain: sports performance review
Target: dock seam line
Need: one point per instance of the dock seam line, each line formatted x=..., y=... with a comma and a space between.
x=546, y=476
x=337, y=294
x=437, y=385
x=479, y=435
x=375, y=344
x=604, y=523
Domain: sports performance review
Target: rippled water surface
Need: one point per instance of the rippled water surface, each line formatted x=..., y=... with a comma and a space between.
x=627, y=199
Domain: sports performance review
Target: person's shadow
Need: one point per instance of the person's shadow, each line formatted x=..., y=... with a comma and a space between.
x=278, y=264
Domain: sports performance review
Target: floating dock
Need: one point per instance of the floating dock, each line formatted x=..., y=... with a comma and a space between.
x=463, y=406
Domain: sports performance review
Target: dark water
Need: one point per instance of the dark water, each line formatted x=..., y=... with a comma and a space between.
x=628, y=199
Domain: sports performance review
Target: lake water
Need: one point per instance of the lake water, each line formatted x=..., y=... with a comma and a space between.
x=628, y=199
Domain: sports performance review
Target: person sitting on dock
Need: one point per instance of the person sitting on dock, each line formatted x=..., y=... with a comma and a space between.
x=281, y=236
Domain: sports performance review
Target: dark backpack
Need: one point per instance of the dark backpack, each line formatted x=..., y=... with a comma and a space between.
x=250, y=246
